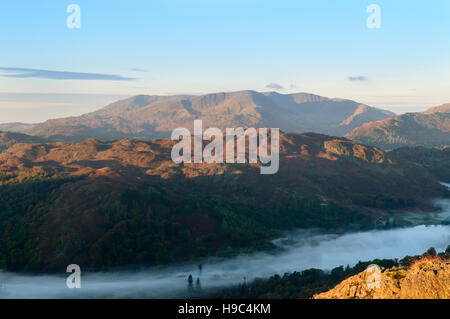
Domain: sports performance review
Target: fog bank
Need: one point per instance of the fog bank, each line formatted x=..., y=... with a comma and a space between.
x=298, y=251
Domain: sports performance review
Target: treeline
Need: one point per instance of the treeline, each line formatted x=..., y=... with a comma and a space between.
x=307, y=283
x=382, y=201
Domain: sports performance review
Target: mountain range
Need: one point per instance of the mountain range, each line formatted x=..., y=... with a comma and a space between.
x=148, y=117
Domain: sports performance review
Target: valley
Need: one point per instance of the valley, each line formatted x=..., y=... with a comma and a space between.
x=140, y=224
x=297, y=251
x=224, y=150
x=125, y=203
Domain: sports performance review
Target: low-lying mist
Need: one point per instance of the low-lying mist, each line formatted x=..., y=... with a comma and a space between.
x=298, y=251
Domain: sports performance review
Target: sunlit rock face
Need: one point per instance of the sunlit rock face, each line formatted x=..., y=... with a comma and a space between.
x=426, y=279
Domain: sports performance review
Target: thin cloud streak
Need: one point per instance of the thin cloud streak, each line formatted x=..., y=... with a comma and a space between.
x=357, y=78
x=24, y=73
x=138, y=70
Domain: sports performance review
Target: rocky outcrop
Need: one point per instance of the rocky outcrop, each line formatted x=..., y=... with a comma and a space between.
x=350, y=149
x=426, y=279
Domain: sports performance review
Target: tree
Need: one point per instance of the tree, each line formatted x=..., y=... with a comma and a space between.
x=190, y=283
x=432, y=252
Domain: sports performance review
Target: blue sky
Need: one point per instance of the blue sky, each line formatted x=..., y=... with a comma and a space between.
x=169, y=47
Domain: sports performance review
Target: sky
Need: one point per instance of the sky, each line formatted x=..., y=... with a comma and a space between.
x=125, y=48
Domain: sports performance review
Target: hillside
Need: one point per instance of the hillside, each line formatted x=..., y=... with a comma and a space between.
x=425, y=279
x=8, y=139
x=430, y=128
x=149, y=117
x=445, y=108
x=306, y=162
x=124, y=202
x=433, y=160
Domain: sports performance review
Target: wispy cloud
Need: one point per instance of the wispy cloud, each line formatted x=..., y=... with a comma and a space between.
x=24, y=73
x=357, y=78
x=138, y=70
x=274, y=86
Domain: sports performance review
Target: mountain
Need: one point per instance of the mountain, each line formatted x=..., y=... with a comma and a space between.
x=445, y=108
x=125, y=202
x=149, y=117
x=8, y=139
x=16, y=127
x=430, y=128
x=123, y=106
x=425, y=279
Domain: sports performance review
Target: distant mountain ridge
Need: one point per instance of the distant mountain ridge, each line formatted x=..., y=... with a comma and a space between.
x=149, y=117
x=430, y=128
x=444, y=108
x=16, y=127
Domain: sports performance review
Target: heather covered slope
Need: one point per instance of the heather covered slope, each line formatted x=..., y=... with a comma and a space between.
x=311, y=163
x=149, y=117
x=103, y=204
x=430, y=128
